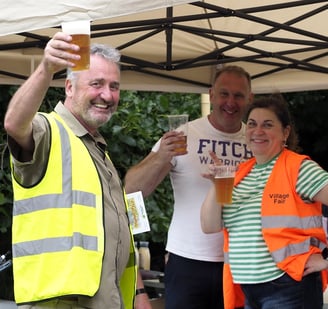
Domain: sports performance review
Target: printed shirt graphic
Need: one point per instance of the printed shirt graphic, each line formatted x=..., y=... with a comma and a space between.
x=185, y=237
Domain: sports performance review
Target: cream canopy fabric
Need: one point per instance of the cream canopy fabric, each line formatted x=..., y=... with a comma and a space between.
x=178, y=45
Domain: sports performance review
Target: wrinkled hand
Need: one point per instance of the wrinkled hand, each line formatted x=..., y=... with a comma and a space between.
x=59, y=52
x=315, y=263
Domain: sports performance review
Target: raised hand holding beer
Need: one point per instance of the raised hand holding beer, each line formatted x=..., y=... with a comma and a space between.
x=223, y=177
x=80, y=33
x=179, y=123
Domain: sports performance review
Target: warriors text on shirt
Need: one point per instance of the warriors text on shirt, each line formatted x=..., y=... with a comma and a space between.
x=231, y=153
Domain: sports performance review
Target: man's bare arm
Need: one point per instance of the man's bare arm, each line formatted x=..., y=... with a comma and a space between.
x=150, y=172
x=146, y=175
x=28, y=98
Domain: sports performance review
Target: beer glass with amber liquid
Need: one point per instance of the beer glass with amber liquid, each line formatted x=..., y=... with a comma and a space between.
x=224, y=179
x=179, y=123
x=80, y=33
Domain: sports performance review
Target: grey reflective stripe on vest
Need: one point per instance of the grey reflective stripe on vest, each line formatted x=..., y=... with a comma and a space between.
x=55, y=245
x=294, y=249
x=63, y=200
x=291, y=222
x=226, y=257
x=310, y=222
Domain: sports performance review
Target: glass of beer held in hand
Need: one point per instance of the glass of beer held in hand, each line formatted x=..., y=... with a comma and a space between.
x=179, y=123
x=224, y=179
x=80, y=33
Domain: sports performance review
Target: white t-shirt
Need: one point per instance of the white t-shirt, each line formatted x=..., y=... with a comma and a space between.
x=185, y=236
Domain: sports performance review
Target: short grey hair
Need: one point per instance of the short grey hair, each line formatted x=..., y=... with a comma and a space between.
x=107, y=52
x=110, y=53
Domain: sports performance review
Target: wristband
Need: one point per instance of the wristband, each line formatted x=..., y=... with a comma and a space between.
x=140, y=291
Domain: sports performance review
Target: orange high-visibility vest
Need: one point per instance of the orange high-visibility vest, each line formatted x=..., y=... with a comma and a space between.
x=233, y=296
x=292, y=229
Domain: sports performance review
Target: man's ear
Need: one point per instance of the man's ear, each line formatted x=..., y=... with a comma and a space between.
x=68, y=88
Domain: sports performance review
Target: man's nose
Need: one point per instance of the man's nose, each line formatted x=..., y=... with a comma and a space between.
x=106, y=94
x=231, y=99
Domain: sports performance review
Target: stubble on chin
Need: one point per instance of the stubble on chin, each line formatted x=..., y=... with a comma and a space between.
x=93, y=120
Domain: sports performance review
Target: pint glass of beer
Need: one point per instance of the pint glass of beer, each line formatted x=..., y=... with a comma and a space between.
x=179, y=123
x=224, y=178
x=80, y=32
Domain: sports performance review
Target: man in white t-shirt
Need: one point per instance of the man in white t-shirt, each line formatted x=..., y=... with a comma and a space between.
x=193, y=273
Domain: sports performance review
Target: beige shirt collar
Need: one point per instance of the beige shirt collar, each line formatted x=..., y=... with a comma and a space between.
x=77, y=128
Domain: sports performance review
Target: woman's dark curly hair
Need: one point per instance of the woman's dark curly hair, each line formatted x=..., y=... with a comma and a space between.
x=277, y=104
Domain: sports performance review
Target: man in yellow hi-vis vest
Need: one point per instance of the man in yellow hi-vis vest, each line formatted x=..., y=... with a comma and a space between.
x=72, y=245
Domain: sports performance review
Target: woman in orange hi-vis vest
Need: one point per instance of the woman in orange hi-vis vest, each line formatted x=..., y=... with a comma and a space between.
x=275, y=246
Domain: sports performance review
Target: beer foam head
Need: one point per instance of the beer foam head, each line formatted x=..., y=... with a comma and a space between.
x=76, y=27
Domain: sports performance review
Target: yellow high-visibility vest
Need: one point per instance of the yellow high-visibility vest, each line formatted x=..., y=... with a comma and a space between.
x=58, y=233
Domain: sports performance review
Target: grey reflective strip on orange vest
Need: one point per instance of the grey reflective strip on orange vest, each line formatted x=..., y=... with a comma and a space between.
x=294, y=249
x=305, y=223
x=291, y=222
x=62, y=200
x=226, y=257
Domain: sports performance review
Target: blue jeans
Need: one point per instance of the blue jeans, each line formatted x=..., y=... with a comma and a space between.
x=285, y=293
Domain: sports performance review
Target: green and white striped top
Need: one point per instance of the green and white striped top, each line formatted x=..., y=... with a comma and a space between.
x=249, y=257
